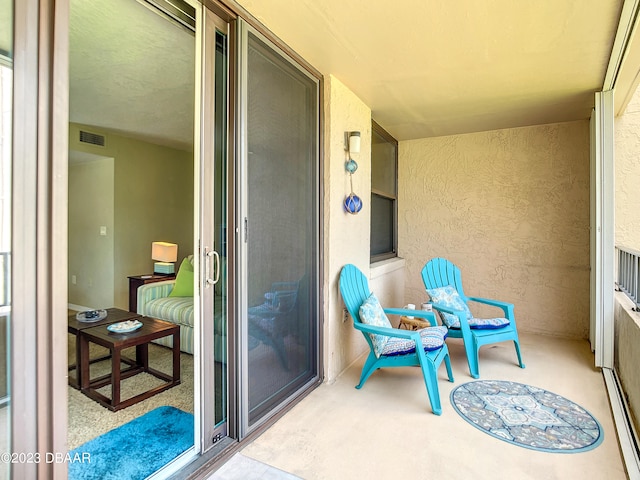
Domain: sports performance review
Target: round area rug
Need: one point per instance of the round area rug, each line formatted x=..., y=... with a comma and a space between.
x=527, y=416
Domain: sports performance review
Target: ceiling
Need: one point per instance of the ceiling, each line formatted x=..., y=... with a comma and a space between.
x=440, y=67
x=131, y=71
x=6, y=32
x=425, y=67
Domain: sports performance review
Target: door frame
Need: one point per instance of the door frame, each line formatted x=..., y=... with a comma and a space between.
x=40, y=140
x=206, y=242
x=38, y=353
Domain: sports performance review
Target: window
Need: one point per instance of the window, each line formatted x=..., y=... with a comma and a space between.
x=384, y=191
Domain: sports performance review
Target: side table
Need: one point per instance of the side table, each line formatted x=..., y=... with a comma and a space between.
x=136, y=281
x=413, y=323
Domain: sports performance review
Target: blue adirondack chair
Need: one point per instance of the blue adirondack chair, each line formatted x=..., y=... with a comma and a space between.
x=443, y=279
x=355, y=292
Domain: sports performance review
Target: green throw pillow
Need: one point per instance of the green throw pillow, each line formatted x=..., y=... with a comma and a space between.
x=184, y=280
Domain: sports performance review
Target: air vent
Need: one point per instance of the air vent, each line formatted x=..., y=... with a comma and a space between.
x=92, y=138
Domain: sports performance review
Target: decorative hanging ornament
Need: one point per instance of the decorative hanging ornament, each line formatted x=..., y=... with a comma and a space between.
x=351, y=166
x=352, y=203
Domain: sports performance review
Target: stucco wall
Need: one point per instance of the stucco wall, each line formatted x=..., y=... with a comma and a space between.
x=627, y=175
x=511, y=209
x=627, y=234
x=347, y=236
x=627, y=353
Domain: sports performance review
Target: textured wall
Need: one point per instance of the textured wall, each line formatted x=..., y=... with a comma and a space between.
x=627, y=234
x=627, y=175
x=347, y=236
x=627, y=353
x=511, y=209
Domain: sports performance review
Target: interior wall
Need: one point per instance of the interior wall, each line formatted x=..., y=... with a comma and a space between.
x=511, y=209
x=153, y=201
x=91, y=233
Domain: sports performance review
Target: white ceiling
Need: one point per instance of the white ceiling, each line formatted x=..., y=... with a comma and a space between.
x=131, y=71
x=425, y=67
x=439, y=67
x=6, y=30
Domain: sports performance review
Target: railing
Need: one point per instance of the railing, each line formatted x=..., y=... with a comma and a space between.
x=628, y=268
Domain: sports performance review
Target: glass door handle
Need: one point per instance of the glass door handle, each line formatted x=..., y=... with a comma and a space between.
x=207, y=273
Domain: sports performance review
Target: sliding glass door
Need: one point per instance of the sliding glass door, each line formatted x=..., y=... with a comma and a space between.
x=213, y=232
x=279, y=233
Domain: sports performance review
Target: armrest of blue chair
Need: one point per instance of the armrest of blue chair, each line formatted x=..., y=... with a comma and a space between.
x=506, y=307
x=462, y=317
x=389, y=332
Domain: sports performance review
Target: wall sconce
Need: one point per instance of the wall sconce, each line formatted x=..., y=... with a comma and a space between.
x=352, y=203
x=352, y=142
x=166, y=255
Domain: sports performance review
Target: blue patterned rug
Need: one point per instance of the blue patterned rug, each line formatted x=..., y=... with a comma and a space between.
x=136, y=449
x=527, y=416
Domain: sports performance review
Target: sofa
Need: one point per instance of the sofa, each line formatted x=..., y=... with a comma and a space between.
x=154, y=300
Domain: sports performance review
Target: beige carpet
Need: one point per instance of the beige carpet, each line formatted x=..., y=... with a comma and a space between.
x=88, y=419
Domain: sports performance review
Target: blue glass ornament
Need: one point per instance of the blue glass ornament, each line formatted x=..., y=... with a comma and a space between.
x=352, y=203
x=351, y=166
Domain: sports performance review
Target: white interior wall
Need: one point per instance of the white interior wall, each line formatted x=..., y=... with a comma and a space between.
x=91, y=233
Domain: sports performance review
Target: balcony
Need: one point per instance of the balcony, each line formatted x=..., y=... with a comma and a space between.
x=387, y=430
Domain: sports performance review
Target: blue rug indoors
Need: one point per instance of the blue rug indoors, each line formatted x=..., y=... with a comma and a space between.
x=136, y=449
x=527, y=416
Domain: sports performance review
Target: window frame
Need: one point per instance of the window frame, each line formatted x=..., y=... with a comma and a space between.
x=377, y=129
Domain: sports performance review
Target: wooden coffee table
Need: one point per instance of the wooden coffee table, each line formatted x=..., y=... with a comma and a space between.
x=152, y=329
x=114, y=315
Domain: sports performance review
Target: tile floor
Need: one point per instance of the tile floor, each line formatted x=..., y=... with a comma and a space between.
x=387, y=430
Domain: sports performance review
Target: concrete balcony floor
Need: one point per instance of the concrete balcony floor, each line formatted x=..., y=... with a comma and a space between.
x=387, y=430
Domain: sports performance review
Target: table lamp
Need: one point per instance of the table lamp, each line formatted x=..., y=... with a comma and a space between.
x=165, y=255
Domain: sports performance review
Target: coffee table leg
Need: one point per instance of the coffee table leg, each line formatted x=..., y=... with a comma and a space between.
x=115, y=377
x=82, y=361
x=142, y=356
x=176, y=356
x=78, y=370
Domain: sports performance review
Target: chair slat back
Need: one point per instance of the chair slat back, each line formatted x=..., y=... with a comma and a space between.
x=440, y=272
x=354, y=289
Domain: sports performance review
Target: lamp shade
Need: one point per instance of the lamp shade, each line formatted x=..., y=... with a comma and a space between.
x=164, y=252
